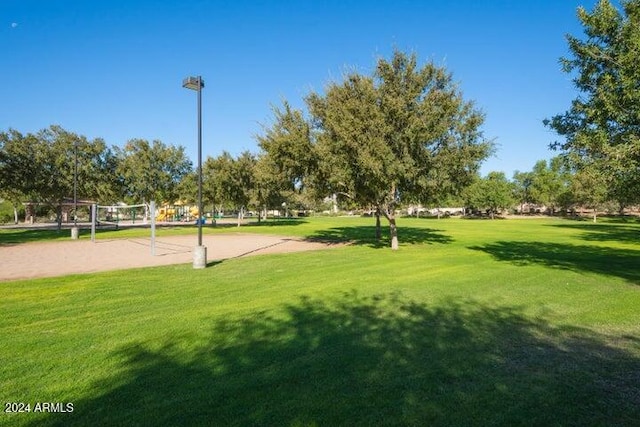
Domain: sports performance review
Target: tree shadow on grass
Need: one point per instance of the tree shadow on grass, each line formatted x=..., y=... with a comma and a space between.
x=382, y=360
x=277, y=222
x=11, y=237
x=604, y=232
x=365, y=235
x=622, y=263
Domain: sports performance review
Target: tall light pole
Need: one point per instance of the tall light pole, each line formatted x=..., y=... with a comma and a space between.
x=200, y=251
x=74, y=230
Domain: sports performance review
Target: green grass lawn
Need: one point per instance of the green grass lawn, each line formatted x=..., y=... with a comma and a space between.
x=471, y=322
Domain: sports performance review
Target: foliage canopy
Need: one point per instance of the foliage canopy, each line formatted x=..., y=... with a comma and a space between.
x=405, y=133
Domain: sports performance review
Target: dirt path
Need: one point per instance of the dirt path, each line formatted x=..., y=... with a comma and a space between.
x=49, y=259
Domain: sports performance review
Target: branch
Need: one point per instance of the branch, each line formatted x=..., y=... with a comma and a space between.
x=344, y=194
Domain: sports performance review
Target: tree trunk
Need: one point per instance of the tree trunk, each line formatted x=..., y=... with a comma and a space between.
x=393, y=232
x=59, y=216
x=595, y=215
x=15, y=214
x=393, y=229
x=240, y=215
x=378, y=233
x=29, y=214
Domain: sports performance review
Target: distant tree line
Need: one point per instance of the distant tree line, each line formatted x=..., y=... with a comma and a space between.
x=40, y=168
x=44, y=167
x=551, y=187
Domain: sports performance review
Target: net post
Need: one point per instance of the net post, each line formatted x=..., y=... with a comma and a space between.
x=153, y=227
x=94, y=220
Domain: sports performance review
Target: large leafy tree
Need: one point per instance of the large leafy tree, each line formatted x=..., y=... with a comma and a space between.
x=522, y=182
x=271, y=187
x=14, y=197
x=492, y=193
x=289, y=147
x=625, y=190
x=588, y=189
x=11, y=189
x=244, y=175
x=218, y=182
x=211, y=188
x=549, y=183
x=403, y=133
x=287, y=169
x=231, y=181
x=187, y=188
x=602, y=126
x=151, y=171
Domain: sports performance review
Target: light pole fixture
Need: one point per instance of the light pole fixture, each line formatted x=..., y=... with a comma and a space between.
x=200, y=251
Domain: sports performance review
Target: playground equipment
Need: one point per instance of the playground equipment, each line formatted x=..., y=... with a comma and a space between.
x=177, y=213
x=165, y=214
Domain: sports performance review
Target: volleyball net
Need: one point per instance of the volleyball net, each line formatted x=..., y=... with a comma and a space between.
x=132, y=215
x=117, y=215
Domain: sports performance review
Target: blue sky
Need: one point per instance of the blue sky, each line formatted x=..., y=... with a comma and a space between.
x=113, y=68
